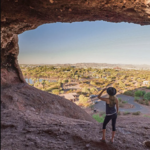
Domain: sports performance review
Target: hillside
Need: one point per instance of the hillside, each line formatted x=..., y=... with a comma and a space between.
x=96, y=65
x=33, y=119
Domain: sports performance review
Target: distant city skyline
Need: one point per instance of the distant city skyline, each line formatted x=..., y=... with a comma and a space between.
x=86, y=42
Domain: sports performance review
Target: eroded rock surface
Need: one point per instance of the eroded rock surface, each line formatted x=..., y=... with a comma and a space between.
x=32, y=119
x=10, y=70
x=23, y=97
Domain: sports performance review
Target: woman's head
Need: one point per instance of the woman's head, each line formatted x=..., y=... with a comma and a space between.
x=111, y=91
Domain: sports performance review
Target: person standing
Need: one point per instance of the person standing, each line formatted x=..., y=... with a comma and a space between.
x=111, y=111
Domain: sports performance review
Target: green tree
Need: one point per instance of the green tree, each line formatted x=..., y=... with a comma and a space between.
x=139, y=93
x=147, y=96
x=83, y=100
x=43, y=83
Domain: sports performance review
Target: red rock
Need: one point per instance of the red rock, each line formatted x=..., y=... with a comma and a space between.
x=19, y=122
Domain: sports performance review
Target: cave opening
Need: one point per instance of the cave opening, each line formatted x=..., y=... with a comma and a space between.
x=41, y=120
x=80, y=43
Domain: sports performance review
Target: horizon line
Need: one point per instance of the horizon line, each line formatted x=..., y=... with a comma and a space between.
x=79, y=63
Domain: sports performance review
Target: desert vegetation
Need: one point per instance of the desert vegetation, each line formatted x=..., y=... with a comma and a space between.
x=99, y=118
x=88, y=81
x=142, y=97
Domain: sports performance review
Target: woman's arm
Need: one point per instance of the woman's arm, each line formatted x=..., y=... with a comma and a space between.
x=99, y=96
x=117, y=105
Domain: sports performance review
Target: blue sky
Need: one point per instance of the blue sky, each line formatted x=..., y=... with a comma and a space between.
x=85, y=42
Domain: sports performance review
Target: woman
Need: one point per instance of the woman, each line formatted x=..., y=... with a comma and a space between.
x=111, y=113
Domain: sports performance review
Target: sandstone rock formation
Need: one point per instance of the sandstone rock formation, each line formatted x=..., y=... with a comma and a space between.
x=10, y=71
x=29, y=129
x=32, y=119
x=23, y=97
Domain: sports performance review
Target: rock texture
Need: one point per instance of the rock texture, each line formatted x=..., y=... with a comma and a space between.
x=10, y=70
x=32, y=119
x=24, y=127
x=23, y=97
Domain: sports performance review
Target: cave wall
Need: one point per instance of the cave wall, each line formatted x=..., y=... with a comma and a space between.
x=18, y=16
x=10, y=70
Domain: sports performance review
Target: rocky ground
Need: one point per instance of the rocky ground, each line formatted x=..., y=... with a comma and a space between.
x=32, y=123
x=23, y=97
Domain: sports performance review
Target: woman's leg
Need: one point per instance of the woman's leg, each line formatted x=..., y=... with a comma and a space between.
x=113, y=134
x=113, y=126
x=107, y=119
x=104, y=131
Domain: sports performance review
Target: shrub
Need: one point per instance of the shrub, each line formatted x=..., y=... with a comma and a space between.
x=65, y=81
x=86, y=104
x=93, y=90
x=146, y=116
x=136, y=113
x=62, y=92
x=126, y=113
x=147, y=96
x=139, y=93
x=130, y=93
x=85, y=90
x=146, y=102
x=98, y=118
x=141, y=101
x=56, y=91
x=92, y=107
x=83, y=100
x=136, y=98
x=119, y=99
x=124, y=102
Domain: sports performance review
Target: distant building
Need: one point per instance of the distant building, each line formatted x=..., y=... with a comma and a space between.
x=146, y=83
x=117, y=68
